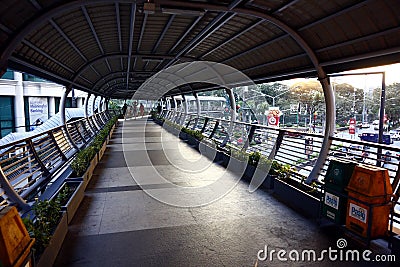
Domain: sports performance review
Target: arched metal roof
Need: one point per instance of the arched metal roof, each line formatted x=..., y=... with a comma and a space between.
x=110, y=48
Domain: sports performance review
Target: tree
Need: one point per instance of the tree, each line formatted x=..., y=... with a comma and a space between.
x=309, y=96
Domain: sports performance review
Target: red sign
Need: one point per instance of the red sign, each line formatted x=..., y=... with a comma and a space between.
x=352, y=127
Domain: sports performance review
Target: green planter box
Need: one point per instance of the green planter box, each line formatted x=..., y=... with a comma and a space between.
x=297, y=199
x=50, y=253
x=75, y=199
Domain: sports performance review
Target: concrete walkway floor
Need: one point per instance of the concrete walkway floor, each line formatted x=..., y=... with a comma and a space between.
x=120, y=223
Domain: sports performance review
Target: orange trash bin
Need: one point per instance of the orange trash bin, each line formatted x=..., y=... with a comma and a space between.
x=15, y=242
x=369, y=201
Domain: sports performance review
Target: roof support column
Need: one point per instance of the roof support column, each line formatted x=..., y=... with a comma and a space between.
x=86, y=104
x=185, y=105
x=175, y=104
x=229, y=92
x=73, y=104
x=19, y=113
x=232, y=100
x=62, y=116
x=198, y=106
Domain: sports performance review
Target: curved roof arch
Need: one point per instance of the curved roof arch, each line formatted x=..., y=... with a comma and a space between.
x=79, y=43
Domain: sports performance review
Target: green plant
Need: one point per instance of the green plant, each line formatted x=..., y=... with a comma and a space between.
x=254, y=157
x=83, y=157
x=195, y=133
x=65, y=194
x=279, y=169
x=46, y=217
x=239, y=155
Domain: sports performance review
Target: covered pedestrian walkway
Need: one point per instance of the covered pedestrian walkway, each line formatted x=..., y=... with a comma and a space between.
x=120, y=224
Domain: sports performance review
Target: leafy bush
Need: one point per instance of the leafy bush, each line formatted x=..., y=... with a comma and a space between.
x=239, y=155
x=254, y=157
x=83, y=157
x=46, y=217
x=195, y=133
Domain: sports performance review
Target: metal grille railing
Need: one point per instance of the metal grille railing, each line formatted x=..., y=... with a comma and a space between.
x=28, y=165
x=296, y=148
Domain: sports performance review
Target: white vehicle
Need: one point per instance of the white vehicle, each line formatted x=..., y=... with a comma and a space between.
x=395, y=135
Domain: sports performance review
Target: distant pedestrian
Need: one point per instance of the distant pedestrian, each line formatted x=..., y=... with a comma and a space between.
x=159, y=108
x=141, y=110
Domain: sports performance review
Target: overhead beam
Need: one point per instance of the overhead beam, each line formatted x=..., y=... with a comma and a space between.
x=195, y=41
x=120, y=75
x=142, y=32
x=43, y=53
x=118, y=18
x=60, y=31
x=119, y=55
x=131, y=32
x=166, y=27
x=89, y=21
x=259, y=46
x=230, y=39
x=216, y=28
x=34, y=69
x=187, y=31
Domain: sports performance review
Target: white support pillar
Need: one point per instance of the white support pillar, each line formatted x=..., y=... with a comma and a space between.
x=52, y=106
x=168, y=103
x=93, y=105
x=185, y=103
x=198, y=106
x=175, y=104
x=62, y=105
x=229, y=92
x=19, y=111
x=86, y=105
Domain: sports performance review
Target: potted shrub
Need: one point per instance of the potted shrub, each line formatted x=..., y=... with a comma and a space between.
x=49, y=227
x=70, y=196
x=238, y=161
x=208, y=148
x=84, y=163
x=253, y=160
x=302, y=197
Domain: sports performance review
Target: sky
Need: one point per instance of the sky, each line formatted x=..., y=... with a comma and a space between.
x=392, y=75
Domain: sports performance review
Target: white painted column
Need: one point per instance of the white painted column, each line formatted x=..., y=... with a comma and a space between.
x=19, y=111
x=52, y=106
x=86, y=105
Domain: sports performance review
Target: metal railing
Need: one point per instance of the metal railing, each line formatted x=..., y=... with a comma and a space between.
x=27, y=166
x=298, y=149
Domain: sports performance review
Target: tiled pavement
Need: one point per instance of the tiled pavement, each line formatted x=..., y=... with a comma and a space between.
x=120, y=224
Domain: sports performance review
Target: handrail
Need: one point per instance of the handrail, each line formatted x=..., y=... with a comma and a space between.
x=29, y=164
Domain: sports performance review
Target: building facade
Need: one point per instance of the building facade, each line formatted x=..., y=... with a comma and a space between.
x=27, y=101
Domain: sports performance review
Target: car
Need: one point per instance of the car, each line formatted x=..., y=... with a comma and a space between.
x=340, y=154
x=358, y=152
x=363, y=125
x=395, y=135
x=387, y=156
x=294, y=134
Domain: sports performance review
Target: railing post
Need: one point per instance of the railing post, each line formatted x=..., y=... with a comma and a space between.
x=249, y=137
x=62, y=115
x=36, y=156
x=51, y=134
x=11, y=193
x=205, y=124
x=214, y=129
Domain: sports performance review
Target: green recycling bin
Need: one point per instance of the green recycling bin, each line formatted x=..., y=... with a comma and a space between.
x=337, y=178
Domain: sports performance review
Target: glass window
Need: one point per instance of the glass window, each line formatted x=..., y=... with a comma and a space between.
x=7, y=123
x=9, y=75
